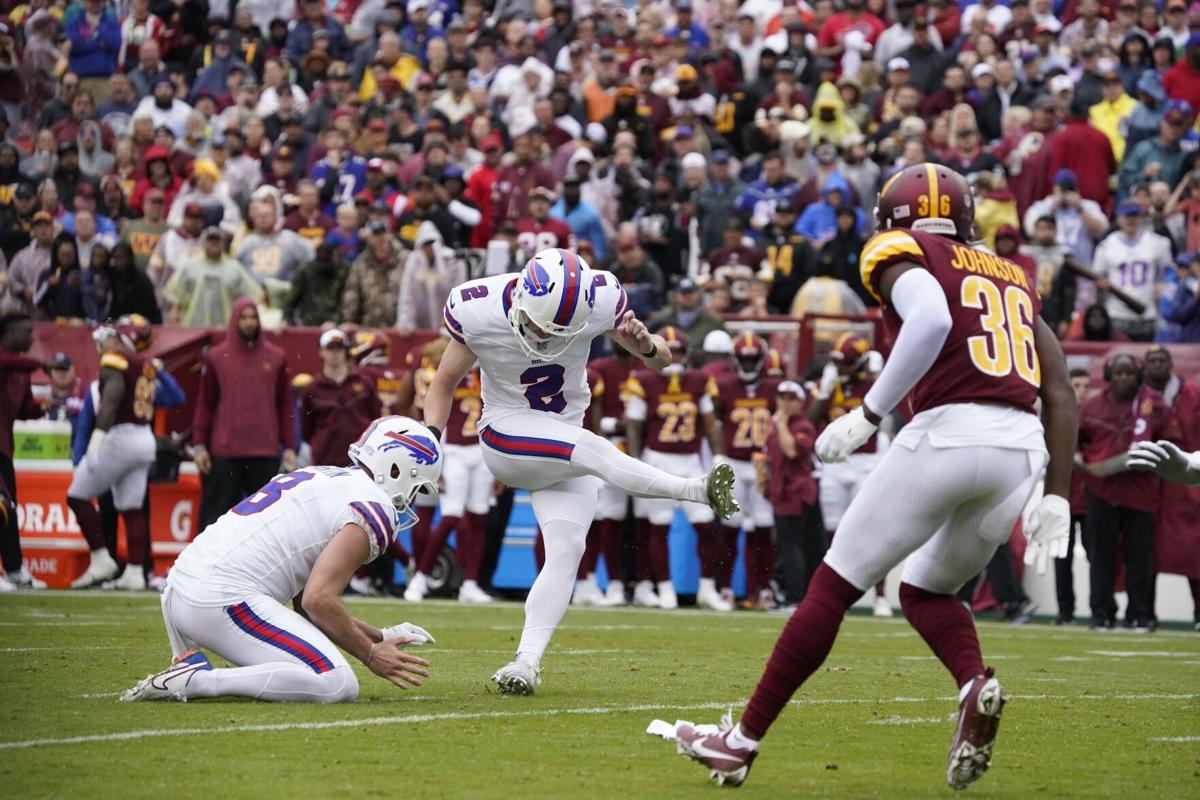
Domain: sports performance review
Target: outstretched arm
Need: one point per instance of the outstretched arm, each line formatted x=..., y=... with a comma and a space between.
x=456, y=363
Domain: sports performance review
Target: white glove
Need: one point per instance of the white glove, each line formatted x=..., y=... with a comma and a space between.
x=608, y=425
x=844, y=435
x=874, y=361
x=1166, y=461
x=94, y=444
x=829, y=381
x=415, y=634
x=1048, y=531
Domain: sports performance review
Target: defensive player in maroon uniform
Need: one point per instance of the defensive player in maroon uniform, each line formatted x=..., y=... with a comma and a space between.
x=665, y=414
x=844, y=383
x=372, y=351
x=119, y=452
x=539, y=231
x=419, y=367
x=608, y=378
x=972, y=357
x=465, y=497
x=747, y=401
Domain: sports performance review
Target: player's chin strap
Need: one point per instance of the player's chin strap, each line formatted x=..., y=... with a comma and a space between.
x=919, y=300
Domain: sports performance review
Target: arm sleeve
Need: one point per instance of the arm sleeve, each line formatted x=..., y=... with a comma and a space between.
x=465, y=213
x=918, y=299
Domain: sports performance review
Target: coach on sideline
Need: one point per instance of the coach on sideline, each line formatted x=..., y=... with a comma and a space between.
x=244, y=415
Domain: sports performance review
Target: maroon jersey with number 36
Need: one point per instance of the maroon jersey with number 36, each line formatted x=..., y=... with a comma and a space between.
x=989, y=355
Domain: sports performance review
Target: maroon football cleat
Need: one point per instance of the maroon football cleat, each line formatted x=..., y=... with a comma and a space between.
x=978, y=722
x=728, y=765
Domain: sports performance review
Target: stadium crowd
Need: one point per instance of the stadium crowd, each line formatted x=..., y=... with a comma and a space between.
x=347, y=163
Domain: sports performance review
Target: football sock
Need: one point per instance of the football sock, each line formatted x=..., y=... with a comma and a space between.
x=89, y=521
x=587, y=564
x=729, y=540
x=471, y=539
x=801, y=649
x=610, y=541
x=760, y=559
x=641, y=531
x=708, y=548
x=881, y=589
x=660, y=564
x=137, y=537
x=947, y=627
x=437, y=542
x=420, y=531
x=551, y=592
x=597, y=456
x=738, y=738
x=278, y=681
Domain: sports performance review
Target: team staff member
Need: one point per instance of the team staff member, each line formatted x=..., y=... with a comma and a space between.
x=1064, y=577
x=338, y=405
x=1120, y=504
x=244, y=415
x=792, y=490
x=16, y=402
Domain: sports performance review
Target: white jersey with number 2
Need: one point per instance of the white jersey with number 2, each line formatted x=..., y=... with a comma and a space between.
x=476, y=314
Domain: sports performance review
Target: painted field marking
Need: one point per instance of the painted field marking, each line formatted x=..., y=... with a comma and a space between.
x=1176, y=739
x=153, y=733
x=907, y=721
x=62, y=649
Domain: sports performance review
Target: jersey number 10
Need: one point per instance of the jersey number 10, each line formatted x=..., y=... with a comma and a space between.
x=1008, y=322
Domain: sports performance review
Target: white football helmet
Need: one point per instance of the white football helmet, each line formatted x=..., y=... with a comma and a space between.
x=403, y=458
x=551, y=303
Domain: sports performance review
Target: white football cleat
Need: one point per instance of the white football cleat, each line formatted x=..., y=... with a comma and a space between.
x=882, y=607
x=666, y=595
x=24, y=579
x=132, y=580
x=644, y=596
x=587, y=593
x=171, y=682
x=470, y=592
x=708, y=597
x=615, y=595
x=417, y=587
x=102, y=568
x=6, y=585
x=518, y=677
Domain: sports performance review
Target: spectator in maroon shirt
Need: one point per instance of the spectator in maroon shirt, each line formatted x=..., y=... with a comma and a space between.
x=1026, y=154
x=1120, y=503
x=792, y=490
x=338, y=405
x=244, y=415
x=1087, y=152
x=16, y=402
x=510, y=192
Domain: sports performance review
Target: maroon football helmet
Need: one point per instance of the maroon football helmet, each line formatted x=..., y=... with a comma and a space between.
x=749, y=356
x=135, y=331
x=850, y=352
x=677, y=343
x=371, y=347
x=930, y=198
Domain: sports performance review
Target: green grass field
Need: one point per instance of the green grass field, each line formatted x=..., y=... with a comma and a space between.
x=1090, y=715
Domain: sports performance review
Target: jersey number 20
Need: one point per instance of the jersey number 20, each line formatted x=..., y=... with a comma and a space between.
x=1008, y=322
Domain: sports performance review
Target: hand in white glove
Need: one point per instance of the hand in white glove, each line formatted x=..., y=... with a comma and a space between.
x=95, y=443
x=844, y=435
x=874, y=361
x=830, y=377
x=1166, y=461
x=1048, y=531
x=415, y=634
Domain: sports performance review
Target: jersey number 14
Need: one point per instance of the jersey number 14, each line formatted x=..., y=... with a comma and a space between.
x=1008, y=339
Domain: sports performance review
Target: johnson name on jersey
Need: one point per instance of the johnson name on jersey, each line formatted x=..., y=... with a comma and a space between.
x=989, y=355
x=269, y=542
x=477, y=315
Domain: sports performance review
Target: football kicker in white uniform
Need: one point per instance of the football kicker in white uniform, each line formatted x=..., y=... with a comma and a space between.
x=300, y=538
x=531, y=333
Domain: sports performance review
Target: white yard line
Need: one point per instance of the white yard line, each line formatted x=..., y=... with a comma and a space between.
x=907, y=721
x=409, y=719
x=63, y=649
x=1176, y=739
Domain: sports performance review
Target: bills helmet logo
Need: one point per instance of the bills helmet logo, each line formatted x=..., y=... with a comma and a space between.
x=421, y=448
x=537, y=281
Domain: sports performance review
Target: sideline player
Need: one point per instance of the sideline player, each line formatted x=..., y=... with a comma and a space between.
x=969, y=346
x=120, y=451
x=300, y=538
x=531, y=333
x=665, y=414
x=747, y=401
x=845, y=380
x=467, y=494
x=608, y=378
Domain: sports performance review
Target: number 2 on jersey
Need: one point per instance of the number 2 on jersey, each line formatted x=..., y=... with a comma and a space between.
x=1008, y=321
x=270, y=493
x=544, y=388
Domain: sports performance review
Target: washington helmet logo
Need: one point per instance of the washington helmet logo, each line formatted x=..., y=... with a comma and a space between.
x=537, y=281
x=421, y=448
